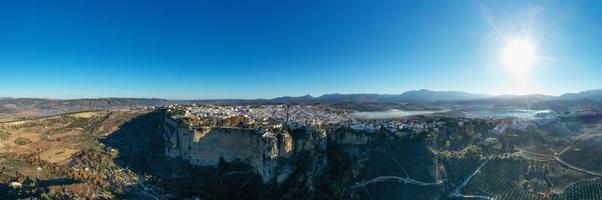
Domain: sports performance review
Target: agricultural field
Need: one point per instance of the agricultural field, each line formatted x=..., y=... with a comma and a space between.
x=584, y=190
x=585, y=149
x=44, y=153
x=560, y=163
x=517, y=178
x=499, y=188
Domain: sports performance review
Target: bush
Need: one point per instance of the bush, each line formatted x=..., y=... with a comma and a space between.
x=471, y=152
x=4, y=135
x=176, y=112
x=22, y=141
x=79, y=123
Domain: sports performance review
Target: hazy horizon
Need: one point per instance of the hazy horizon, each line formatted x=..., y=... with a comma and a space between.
x=312, y=95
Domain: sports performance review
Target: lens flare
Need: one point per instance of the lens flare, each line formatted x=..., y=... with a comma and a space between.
x=518, y=57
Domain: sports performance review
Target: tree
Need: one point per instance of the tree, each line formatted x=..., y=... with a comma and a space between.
x=222, y=165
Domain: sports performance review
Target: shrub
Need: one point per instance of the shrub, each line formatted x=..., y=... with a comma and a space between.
x=176, y=112
x=22, y=141
x=79, y=123
x=4, y=135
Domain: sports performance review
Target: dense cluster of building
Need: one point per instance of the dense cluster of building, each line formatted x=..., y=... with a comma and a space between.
x=300, y=115
x=293, y=116
x=398, y=125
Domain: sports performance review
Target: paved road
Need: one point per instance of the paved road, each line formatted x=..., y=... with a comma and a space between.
x=396, y=179
x=577, y=168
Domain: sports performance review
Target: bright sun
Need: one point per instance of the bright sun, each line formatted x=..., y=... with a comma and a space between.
x=518, y=57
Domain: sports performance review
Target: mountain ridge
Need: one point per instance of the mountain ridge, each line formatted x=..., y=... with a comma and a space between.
x=422, y=95
x=595, y=95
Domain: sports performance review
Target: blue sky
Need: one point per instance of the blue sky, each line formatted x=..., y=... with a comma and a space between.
x=258, y=48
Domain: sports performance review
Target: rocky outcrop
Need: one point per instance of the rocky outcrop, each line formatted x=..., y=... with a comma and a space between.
x=271, y=152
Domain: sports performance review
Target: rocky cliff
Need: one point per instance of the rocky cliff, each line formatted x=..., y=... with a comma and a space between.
x=271, y=152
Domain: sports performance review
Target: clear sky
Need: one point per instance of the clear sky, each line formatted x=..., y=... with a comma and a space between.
x=258, y=48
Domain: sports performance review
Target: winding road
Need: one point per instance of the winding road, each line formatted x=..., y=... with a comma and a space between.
x=399, y=179
x=396, y=179
x=457, y=194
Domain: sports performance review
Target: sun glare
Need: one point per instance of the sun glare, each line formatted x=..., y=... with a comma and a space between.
x=518, y=57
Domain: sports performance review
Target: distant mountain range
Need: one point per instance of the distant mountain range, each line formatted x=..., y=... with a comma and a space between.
x=410, y=96
x=433, y=96
x=51, y=106
x=595, y=95
x=12, y=108
x=430, y=96
x=414, y=96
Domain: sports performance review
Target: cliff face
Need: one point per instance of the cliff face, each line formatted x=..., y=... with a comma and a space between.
x=305, y=162
x=270, y=153
x=205, y=146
